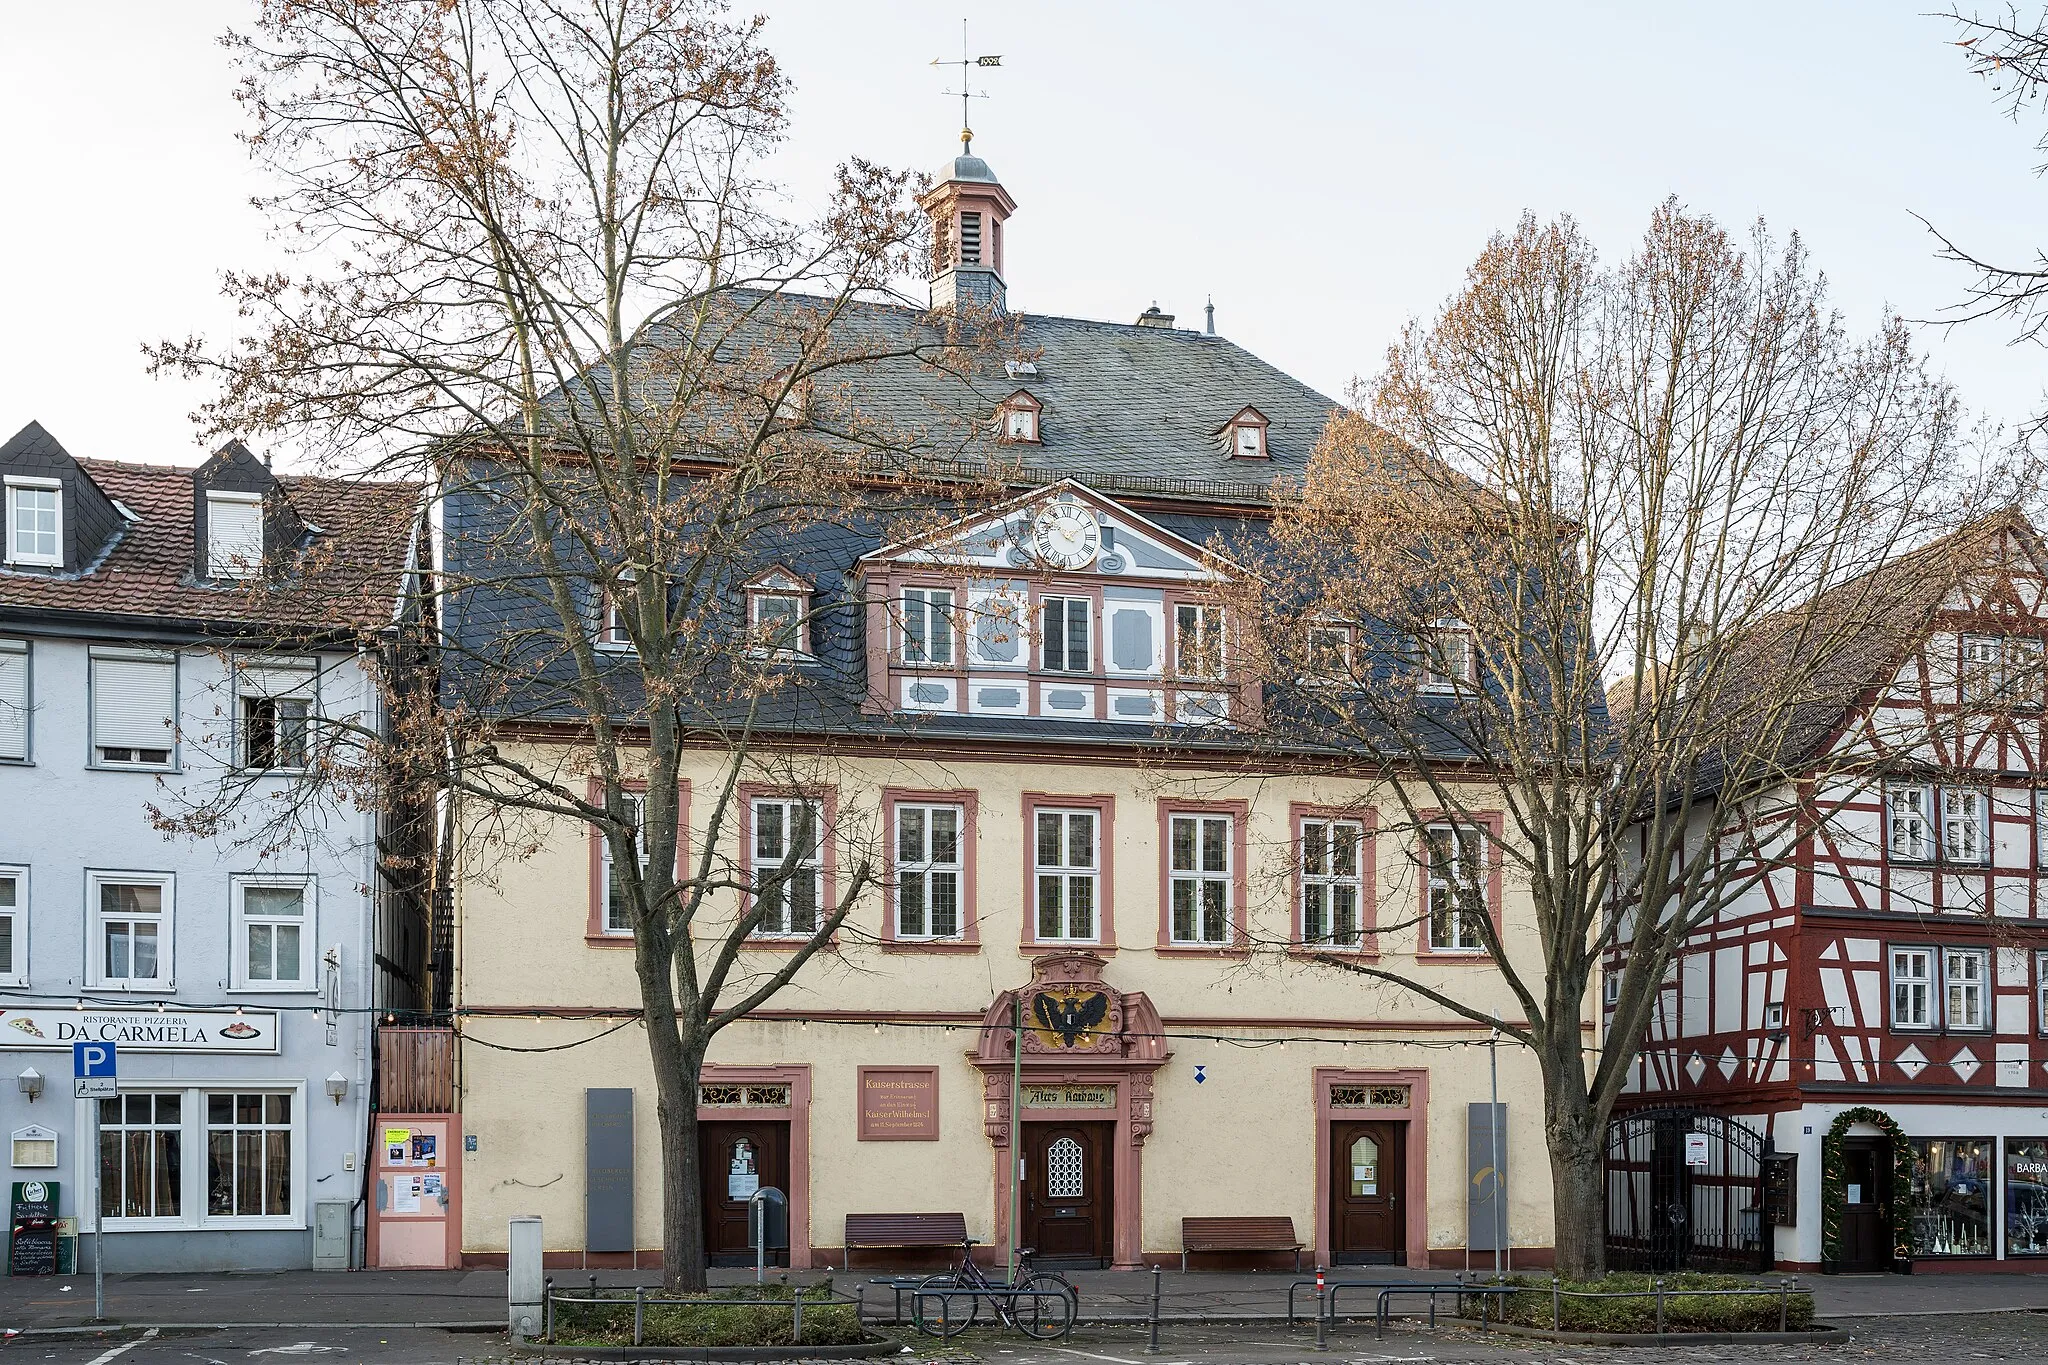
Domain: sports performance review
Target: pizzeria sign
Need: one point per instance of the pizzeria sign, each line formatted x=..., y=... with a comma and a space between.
x=141, y=1030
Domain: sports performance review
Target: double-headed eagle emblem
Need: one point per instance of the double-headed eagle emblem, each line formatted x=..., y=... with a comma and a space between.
x=1069, y=1020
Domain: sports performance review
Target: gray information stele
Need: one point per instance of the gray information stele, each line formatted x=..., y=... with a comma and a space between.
x=608, y=1170
x=1481, y=1191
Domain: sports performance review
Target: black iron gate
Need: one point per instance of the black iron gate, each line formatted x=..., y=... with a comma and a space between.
x=1684, y=1192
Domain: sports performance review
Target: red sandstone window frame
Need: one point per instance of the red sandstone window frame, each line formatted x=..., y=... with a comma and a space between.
x=1248, y=419
x=594, y=931
x=1104, y=808
x=1237, y=941
x=827, y=800
x=1300, y=814
x=1490, y=824
x=1023, y=404
x=968, y=940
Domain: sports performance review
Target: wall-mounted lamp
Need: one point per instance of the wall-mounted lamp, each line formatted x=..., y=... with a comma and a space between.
x=31, y=1083
x=337, y=1087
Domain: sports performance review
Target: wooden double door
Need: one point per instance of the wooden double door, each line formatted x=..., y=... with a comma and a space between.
x=734, y=1159
x=1368, y=1221
x=1067, y=1207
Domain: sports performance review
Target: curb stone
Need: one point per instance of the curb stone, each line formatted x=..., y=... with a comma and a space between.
x=856, y=1350
x=1821, y=1332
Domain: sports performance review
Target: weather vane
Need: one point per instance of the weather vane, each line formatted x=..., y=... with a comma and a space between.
x=967, y=63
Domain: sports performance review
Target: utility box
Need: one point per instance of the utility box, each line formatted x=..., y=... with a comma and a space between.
x=330, y=1234
x=523, y=1284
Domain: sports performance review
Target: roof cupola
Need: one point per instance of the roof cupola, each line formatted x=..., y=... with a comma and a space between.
x=968, y=207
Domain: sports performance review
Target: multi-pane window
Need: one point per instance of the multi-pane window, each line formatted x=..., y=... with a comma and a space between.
x=1962, y=825
x=1965, y=974
x=1456, y=887
x=1198, y=640
x=929, y=871
x=274, y=929
x=1912, y=988
x=1332, y=887
x=274, y=731
x=14, y=699
x=1067, y=870
x=788, y=864
x=2041, y=992
x=234, y=535
x=927, y=625
x=1063, y=636
x=13, y=924
x=618, y=913
x=777, y=619
x=1446, y=657
x=614, y=632
x=1907, y=810
x=248, y=1155
x=2041, y=828
x=1198, y=858
x=1329, y=653
x=1020, y=423
x=35, y=521
x=1978, y=675
x=2022, y=681
x=131, y=931
x=142, y=1156
x=1250, y=443
x=134, y=702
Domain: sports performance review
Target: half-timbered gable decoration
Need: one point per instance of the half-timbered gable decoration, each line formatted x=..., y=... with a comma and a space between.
x=1891, y=953
x=1062, y=604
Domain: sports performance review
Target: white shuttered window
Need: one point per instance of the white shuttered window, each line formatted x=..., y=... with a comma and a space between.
x=14, y=699
x=234, y=535
x=134, y=702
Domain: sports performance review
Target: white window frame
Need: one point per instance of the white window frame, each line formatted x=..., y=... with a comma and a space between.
x=926, y=625
x=1952, y=981
x=1020, y=423
x=2041, y=827
x=1610, y=989
x=282, y=682
x=235, y=560
x=17, y=704
x=1067, y=873
x=1439, y=679
x=1909, y=818
x=637, y=801
x=2019, y=670
x=1320, y=879
x=1066, y=634
x=1963, y=832
x=1200, y=636
x=1925, y=976
x=1436, y=886
x=97, y=753
x=96, y=939
x=18, y=915
x=923, y=870
x=1199, y=880
x=2041, y=992
x=1316, y=665
x=612, y=637
x=764, y=645
x=781, y=925
x=1247, y=441
x=307, y=923
x=24, y=484
x=192, y=1128
x=1979, y=660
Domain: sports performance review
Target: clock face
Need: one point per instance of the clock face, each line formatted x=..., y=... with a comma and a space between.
x=1066, y=536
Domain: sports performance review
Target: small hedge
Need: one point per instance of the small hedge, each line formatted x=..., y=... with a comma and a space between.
x=1683, y=1312
x=827, y=1322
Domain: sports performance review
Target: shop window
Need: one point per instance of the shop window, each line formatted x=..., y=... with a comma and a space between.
x=131, y=932
x=2026, y=1196
x=142, y=1156
x=1456, y=888
x=929, y=871
x=1199, y=863
x=1332, y=885
x=1066, y=869
x=274, y=929
x=14, y=925
x=1951, y=1196
x=248, y=1155
x=788, y=865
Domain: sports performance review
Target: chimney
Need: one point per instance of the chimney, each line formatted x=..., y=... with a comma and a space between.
x=1152, y=317
x=1209, y=317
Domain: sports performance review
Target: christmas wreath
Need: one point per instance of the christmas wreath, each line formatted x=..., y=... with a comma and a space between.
x=1834, y=1193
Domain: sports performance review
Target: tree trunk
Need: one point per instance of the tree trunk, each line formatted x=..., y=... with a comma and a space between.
x=678, y=1062
x=1578, y=1196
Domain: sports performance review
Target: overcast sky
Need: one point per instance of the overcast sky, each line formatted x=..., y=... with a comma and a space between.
x=1325, y=171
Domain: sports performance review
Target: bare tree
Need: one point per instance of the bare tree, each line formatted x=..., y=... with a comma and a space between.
x=1583, y=571
x=546, y=276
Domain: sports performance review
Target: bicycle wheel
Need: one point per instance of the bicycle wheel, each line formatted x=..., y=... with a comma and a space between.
x=940, y=1313
x=1044, y=1307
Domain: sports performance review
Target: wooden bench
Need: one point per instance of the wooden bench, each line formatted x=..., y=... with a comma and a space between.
x=1238, y=1234
x=903, y=1231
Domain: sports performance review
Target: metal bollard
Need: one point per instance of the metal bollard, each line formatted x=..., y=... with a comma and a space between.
x=1784, y=1302
x=797, y=1334
x=1660, y=1305
x=1152, y=1334
x=1556, y=1306
x=547, y=1292
x=1322, y=1314
x=639, y=1307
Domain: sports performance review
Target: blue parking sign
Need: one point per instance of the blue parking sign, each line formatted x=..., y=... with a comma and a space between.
x=92, y=1059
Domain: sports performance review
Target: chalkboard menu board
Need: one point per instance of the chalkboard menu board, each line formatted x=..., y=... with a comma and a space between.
x=32, y=1228
x=1781, y=1189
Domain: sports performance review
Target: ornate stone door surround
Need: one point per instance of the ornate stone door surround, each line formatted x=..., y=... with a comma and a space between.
x=1335, y=1086
x=1081, y=1037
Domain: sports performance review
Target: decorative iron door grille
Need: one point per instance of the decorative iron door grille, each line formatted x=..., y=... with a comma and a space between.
x=1684, y=1192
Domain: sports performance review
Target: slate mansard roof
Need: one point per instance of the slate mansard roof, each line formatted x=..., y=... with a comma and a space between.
x=345, y=575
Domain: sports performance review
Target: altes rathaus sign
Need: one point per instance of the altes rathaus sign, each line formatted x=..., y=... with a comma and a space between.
x=166, y=1030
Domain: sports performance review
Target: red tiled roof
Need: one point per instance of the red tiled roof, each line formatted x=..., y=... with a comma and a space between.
x=348, y=577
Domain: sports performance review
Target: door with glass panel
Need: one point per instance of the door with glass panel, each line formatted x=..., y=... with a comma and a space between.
x=1367, y=1221
x=1068, y=1209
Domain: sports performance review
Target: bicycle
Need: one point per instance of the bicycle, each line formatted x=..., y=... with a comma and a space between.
x=1040, y=1304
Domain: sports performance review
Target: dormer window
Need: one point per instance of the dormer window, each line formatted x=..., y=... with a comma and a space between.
x=927, y=617
x=613, y=633
x=234, y=535
x=1246, y=434
x=35, y=522
x=778, y=608
x=1018, y=418
x=1446, y=656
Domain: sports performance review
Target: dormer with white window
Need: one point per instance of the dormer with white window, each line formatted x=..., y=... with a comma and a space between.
x=56, y=519
x=1018, y=418
x=1245, y=435
x=779, y=616
x=241, y=520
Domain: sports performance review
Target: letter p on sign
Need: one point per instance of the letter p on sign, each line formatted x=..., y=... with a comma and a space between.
x=92, y=1071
